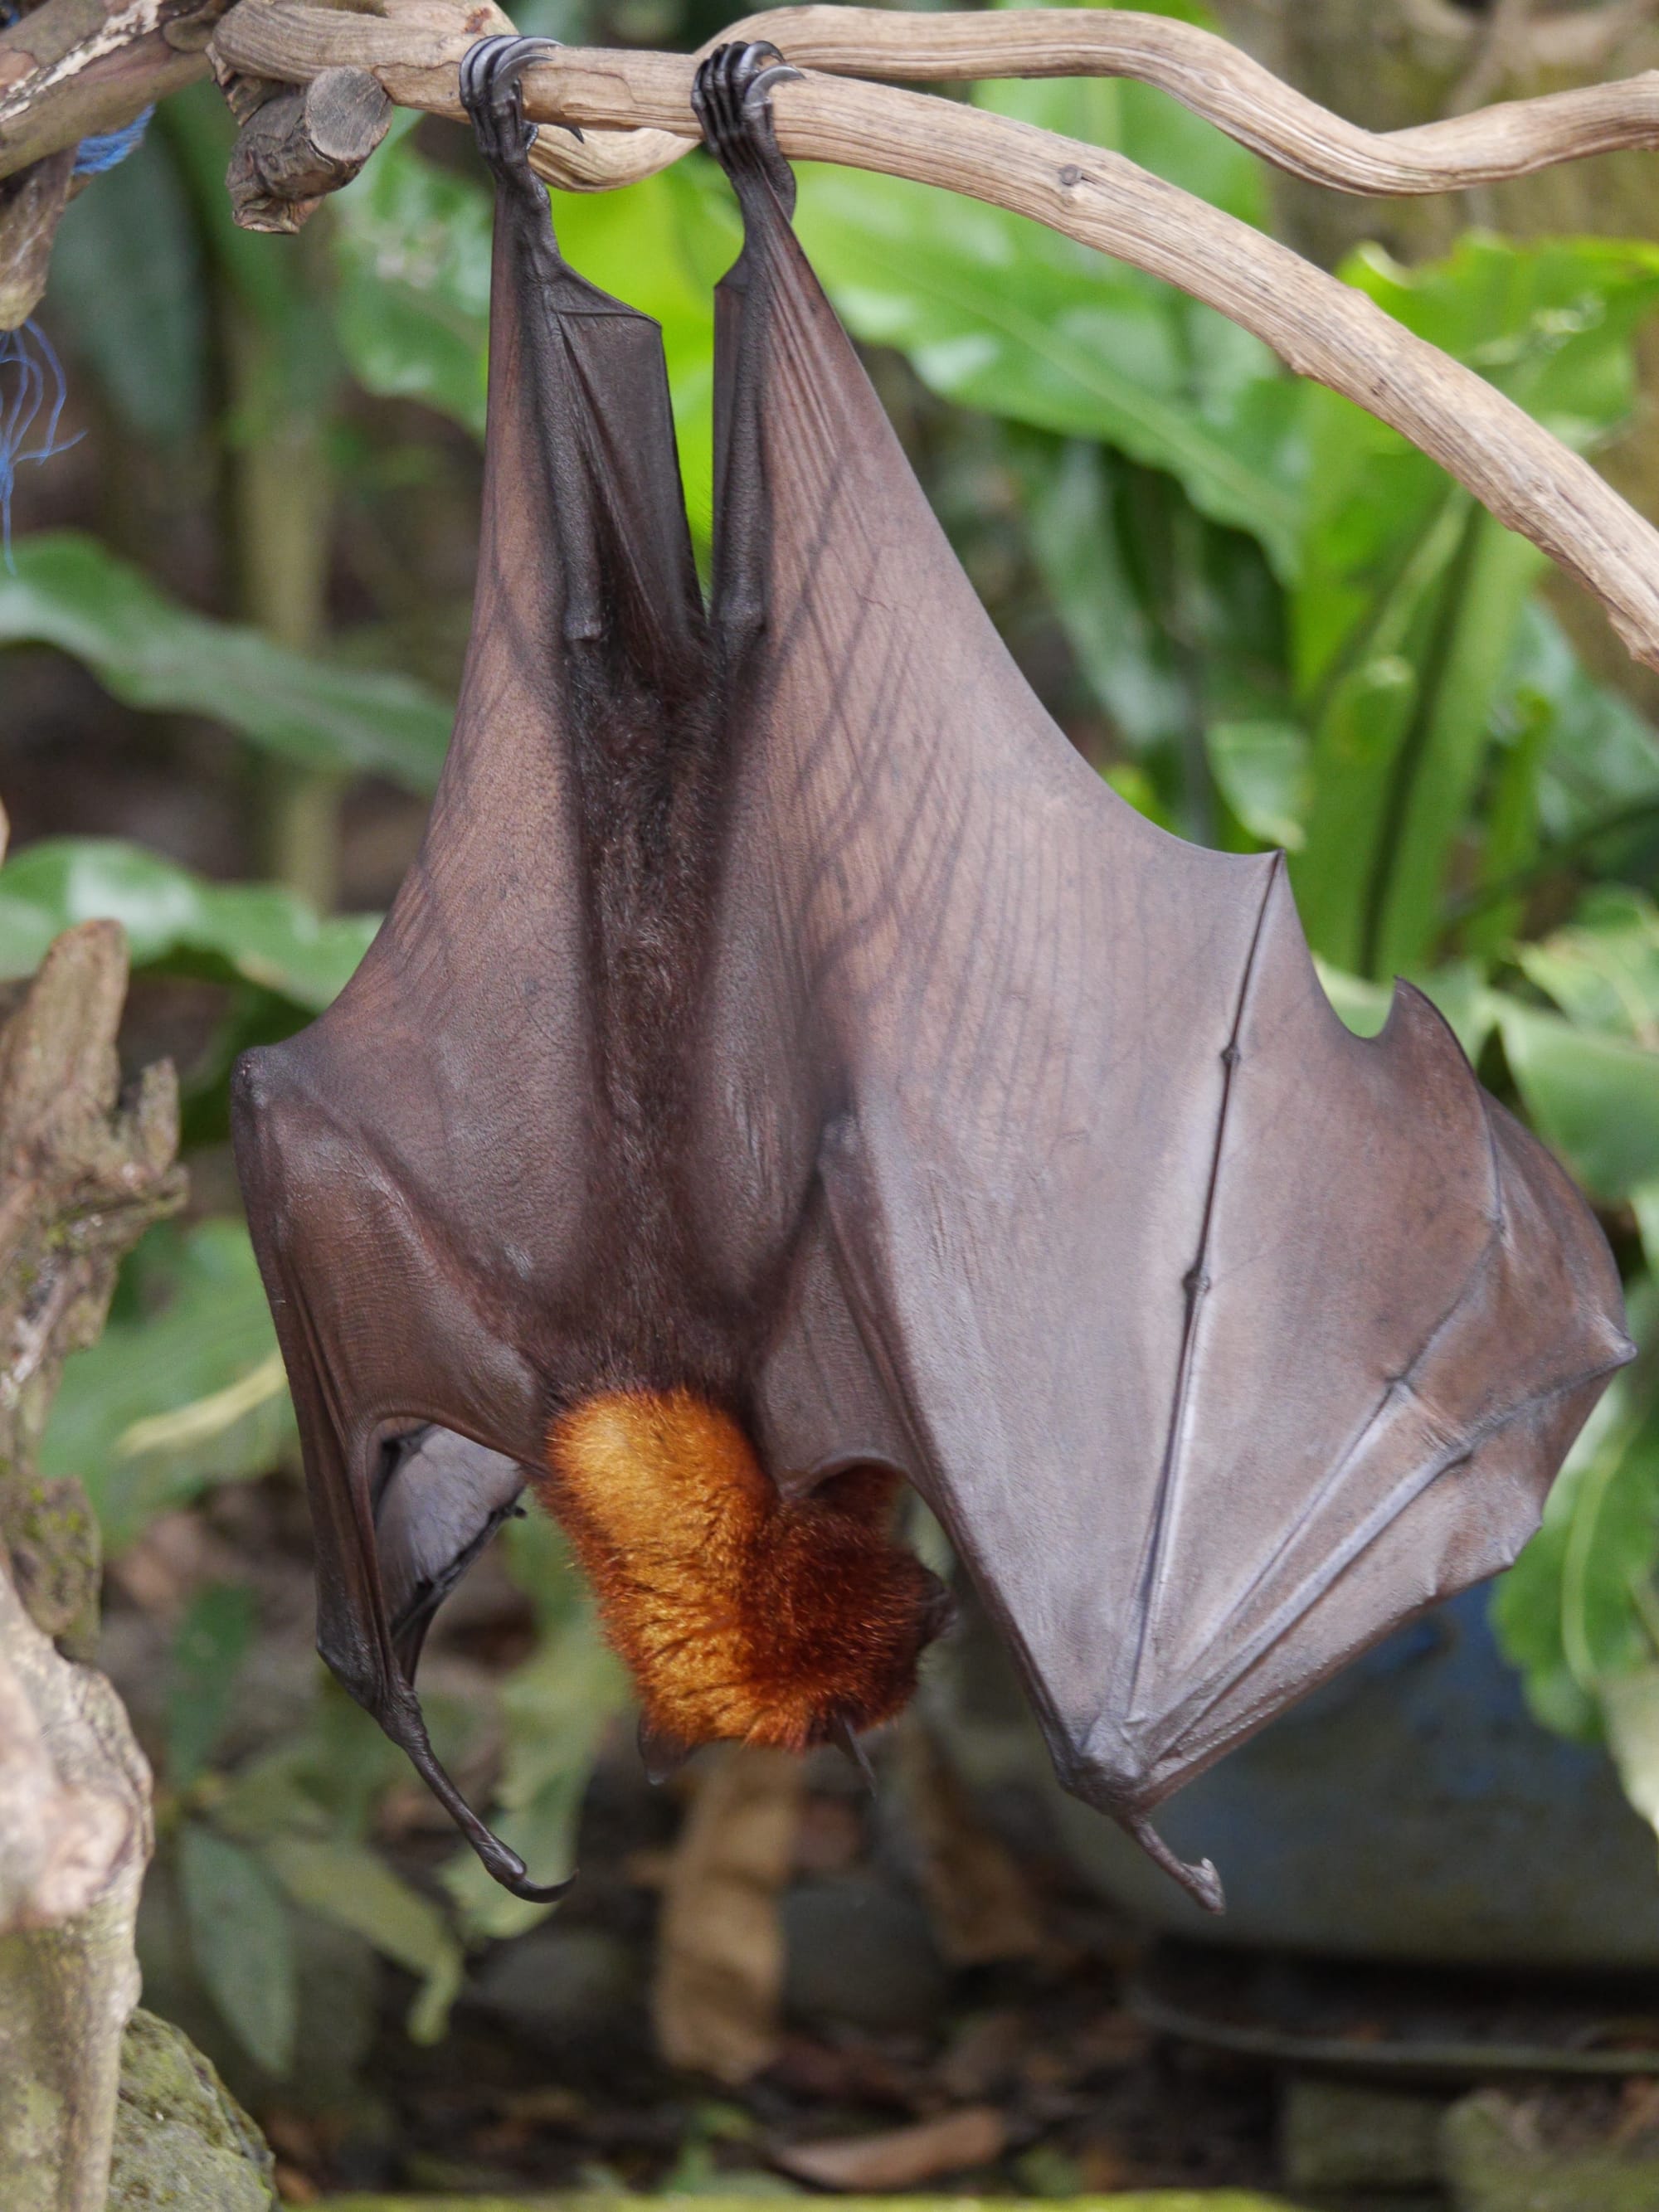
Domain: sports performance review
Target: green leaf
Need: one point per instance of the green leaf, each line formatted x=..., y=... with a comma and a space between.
x=208, y=1650
x=349, y=1884
x=1602, y=968
x=1399, y=571
x=256, y=934
x=555, y=1710
x=327, y=1779
x=1001, y=313
x=1262, y=769
x=127, y=288
x=191, y=1394
x=1549, y=321
x=68, y=591
x=242, y=1942
x=1078, y=533
x=1594, y=1098
x=413, y=246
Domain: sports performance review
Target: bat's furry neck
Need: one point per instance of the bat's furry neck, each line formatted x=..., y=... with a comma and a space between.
x=739, y=1615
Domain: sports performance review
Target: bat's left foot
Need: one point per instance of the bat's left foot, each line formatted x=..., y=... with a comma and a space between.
x=731, y=96
x=493, y=96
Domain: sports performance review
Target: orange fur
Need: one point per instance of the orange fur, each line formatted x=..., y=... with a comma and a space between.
x=739, y=1615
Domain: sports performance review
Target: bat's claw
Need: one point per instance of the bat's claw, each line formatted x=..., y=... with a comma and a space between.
x=852, y=1748
x=731, y=96
x=1202, y=1882
x=493, y=96
x=401, y=1719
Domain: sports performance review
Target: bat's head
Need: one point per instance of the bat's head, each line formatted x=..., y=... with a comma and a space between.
x=740, y=1616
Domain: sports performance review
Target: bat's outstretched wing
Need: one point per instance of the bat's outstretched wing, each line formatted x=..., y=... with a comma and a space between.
x=422, y=1165
x=1222, y=1342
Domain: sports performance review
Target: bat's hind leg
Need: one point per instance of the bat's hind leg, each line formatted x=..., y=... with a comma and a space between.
x=731, y=96
x=492, y=96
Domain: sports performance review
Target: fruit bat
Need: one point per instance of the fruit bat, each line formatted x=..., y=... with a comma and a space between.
x=787, y=1072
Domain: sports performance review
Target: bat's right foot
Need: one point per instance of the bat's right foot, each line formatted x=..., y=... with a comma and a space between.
x=493, y=96
x=730, y=97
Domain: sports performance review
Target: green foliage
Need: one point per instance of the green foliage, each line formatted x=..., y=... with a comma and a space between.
x=285, y=1834
x=175, y=921
x=555, y=1710
x=66, y=591
x=1001, y=313
x=1409, y=598
x=411, y=242
x=185, y=1390
x=242, y=1942
x=127, y=280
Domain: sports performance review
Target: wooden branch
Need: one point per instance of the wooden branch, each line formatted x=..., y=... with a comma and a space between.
x=1214, y=79
x=1321, y=328
x=74, y=67
x=75, y=1837
x=305, y=143
x=81, y=1174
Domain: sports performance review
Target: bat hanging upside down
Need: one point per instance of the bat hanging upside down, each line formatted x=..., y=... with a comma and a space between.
x=788, y=1071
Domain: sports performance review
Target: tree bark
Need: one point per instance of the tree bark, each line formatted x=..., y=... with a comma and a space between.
x=82, y=1173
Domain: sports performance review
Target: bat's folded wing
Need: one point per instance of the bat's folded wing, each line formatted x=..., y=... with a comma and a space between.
x=419, y=1165
x=1223, y=1339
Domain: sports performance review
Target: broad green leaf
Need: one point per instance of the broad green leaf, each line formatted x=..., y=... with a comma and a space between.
x=259, y=934
x=349, y=1884
x=1594, y=1098
x=1262, y=769
x=242, y=1942
x=1602, y=968
x=1078, y=536
x=128, y=290
x=1601, y=763
x=1399, y=568
x=1435, y=781
x=191, y=1394
x=207, y=1650
x=1549, y=321
x=999, y=314
x=68, y=591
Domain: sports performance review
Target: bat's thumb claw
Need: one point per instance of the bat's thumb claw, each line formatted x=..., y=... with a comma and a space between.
x=1202, y=1882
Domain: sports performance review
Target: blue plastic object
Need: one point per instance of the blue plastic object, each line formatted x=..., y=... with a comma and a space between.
x=1410, y=1809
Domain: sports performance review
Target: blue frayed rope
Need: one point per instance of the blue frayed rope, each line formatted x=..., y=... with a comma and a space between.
x=30, y=378
x=105, y=148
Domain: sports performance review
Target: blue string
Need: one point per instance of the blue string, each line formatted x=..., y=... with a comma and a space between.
x=31, y=377
x=105, y=148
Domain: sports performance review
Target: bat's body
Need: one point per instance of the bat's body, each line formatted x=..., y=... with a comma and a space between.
x=786, y=1069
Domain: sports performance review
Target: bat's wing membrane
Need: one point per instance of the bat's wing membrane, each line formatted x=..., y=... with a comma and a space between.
x=1222, y=1341
x=422, y=1258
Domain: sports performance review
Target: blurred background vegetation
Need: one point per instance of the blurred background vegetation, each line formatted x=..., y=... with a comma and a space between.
x=233, y=621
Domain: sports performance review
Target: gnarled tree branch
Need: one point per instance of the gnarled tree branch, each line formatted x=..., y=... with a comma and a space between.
x=638, y=105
